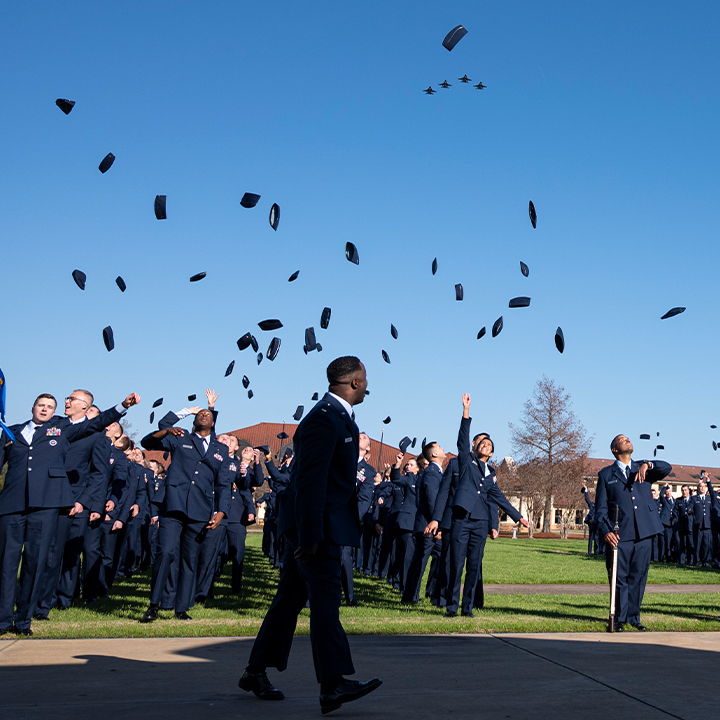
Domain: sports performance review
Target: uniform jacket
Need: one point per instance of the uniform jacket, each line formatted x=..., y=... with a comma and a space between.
x=701, y=509
x=194, y=476
x=427, y=493
x=122, y=485
x=321, y=500
x=442, y=512
x=405, y=519
x=36, y=476
x=638, y=516
x=667, y=509
x=473, y=482
x=683, y=514
x=87, y=469
x=365, y=479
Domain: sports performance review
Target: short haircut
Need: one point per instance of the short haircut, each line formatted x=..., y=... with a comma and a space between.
x=613, y=444
x=87, y=393
x=95, y=406
x=341, y=368
x=487, y=437
x=427, y=450
x=682, y=487
x=44, y=396
x=122, y=443
x=480, y=435
x=421, y=461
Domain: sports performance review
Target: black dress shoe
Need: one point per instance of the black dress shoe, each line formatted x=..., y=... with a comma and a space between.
x=151, y=614
x=182, y=616
x=62, y=607
x=40, y=616
x=259, y=684
x=619, y=627
x=26, y=632
x=346, y=691
x=353, y=603
x=450, y=614
x=639, y=626
x=468, y=614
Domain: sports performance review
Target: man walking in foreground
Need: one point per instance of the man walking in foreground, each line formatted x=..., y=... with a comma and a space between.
x=318, y=515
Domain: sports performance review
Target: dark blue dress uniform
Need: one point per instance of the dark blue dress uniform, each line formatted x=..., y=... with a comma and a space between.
x=426, y=496
x=402, y=523
x=701, y=510
x=194, y=477
x=371, y=539
x=471, y=521
x=87, y=470
x=669, y=523
x=638, y=520
x=683, y=524
x=36, y=490
x=715, y=525
x=319, y=507
x=242, y=507
x=442, y=514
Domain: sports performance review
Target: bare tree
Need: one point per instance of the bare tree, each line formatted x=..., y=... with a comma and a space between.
x=548, y=439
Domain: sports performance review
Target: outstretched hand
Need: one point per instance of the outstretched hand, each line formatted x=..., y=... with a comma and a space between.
x=130, y=400
x=211, y=396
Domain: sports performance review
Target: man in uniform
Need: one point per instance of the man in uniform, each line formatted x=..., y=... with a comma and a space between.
x=318, y=515
x=683, y=524
x=199, y=469
x=622, y=492
x=701, y=510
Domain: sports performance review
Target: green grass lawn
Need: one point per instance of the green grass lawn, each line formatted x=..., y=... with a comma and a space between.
x=380, y=611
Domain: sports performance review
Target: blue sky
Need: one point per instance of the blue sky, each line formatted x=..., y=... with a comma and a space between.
x=604, y=115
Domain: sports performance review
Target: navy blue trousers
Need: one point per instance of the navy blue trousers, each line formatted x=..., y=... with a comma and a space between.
x=177, y=531
x=26, y=537
x=318, y=581
x=423, y=547
x=702, y=539
x=208, y=560
x=53, y=567
x=236, y=534
x=467, y=543
x=74, y=545
x=633, y=565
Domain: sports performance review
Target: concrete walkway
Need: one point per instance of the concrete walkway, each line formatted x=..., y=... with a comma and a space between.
x=592, y=589
x=531, y=677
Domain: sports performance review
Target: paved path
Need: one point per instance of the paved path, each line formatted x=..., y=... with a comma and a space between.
x=591, y=589
x=523, y=677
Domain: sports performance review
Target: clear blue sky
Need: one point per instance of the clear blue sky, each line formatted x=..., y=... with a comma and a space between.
x=605, y=115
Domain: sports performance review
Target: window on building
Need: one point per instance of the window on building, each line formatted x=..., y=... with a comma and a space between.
x=558, y=516
x=579, y=517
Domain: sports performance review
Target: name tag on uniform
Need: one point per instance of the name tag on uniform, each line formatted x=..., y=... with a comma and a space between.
x=474, y=463
x=348, y=439
x=611, y=482
x=189, y=447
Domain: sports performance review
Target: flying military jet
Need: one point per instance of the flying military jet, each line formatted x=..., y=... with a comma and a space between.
x=430, y=90
x=465, y=79
x=445, y=84
x=480, y=86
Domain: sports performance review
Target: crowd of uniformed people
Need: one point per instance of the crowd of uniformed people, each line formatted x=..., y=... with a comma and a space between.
x=82, y=504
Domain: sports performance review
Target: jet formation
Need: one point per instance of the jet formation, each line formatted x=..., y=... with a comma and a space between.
x=445, y=85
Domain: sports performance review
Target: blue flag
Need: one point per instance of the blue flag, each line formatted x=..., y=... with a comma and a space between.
x=2, y=408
